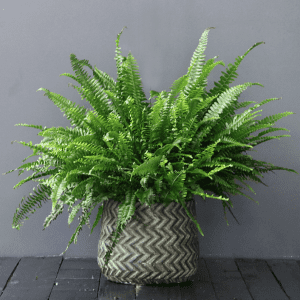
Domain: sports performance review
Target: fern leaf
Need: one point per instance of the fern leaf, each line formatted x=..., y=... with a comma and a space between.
x=40, y=127
x=197, y=60
x=58, y=189
x=149, y=166
x=190, y=215
x=74, y=212
x=230, y=74
x=32, y=201
x=226, y=98
x=73, y=113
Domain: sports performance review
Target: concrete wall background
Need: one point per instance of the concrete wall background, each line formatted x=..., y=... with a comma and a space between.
x=36, y=40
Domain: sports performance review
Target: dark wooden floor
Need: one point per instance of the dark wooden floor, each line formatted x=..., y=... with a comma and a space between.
x=55, y=278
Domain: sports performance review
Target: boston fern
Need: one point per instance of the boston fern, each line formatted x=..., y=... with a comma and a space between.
x=187, y=142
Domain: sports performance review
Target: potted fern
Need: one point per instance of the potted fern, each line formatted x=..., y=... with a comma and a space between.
x=141, y=164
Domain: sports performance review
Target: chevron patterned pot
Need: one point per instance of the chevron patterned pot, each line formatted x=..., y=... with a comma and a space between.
x=166, y=250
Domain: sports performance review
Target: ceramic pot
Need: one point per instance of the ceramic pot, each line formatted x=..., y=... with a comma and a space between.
x=166, y=250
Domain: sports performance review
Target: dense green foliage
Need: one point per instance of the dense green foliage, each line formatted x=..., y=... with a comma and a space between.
x=187, y=142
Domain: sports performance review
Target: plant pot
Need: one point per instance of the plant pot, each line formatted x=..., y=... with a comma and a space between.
x=164, y=251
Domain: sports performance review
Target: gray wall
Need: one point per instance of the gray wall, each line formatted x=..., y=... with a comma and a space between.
x=36, y=39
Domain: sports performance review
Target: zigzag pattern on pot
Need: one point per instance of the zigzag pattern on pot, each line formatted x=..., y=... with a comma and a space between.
x=166, y=250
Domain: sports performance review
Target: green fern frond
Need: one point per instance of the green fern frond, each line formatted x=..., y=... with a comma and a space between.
x=197, y=61
x=133, y=84
x=56, y=211
x=149, y=166
x=83, y=221
x=176, y=88
x=226, y=98
x=98, y=100
x=57, y=131
x=206, y=154
x=201, y=82
x=74, y=212
x=33, y=176
x=31, y=202
x=40, y=127
x=118, y=108
x=73, y=113
x=106, y=81
x=58, y=189
x=98, y=217
x=181, y=201
x=118, y=57
x=87, y=147
x=155, y=118
x=228, y=77
x=274, y=118
x=263, y=124
x=176, y=181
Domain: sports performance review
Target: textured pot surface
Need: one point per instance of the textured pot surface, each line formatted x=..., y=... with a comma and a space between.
x=164, y=251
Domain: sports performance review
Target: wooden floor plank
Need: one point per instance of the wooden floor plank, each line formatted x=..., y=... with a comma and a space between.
x=159, y=291
x=260, y=280
x=227, y=280
x=7, y=267
x=288, y=274
x=80, y=263
x=199, y=287
x=110, y=290
x=202, y=272
x=197, y=290
x=55, y=278
x=78, y=278
x=32, y=279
